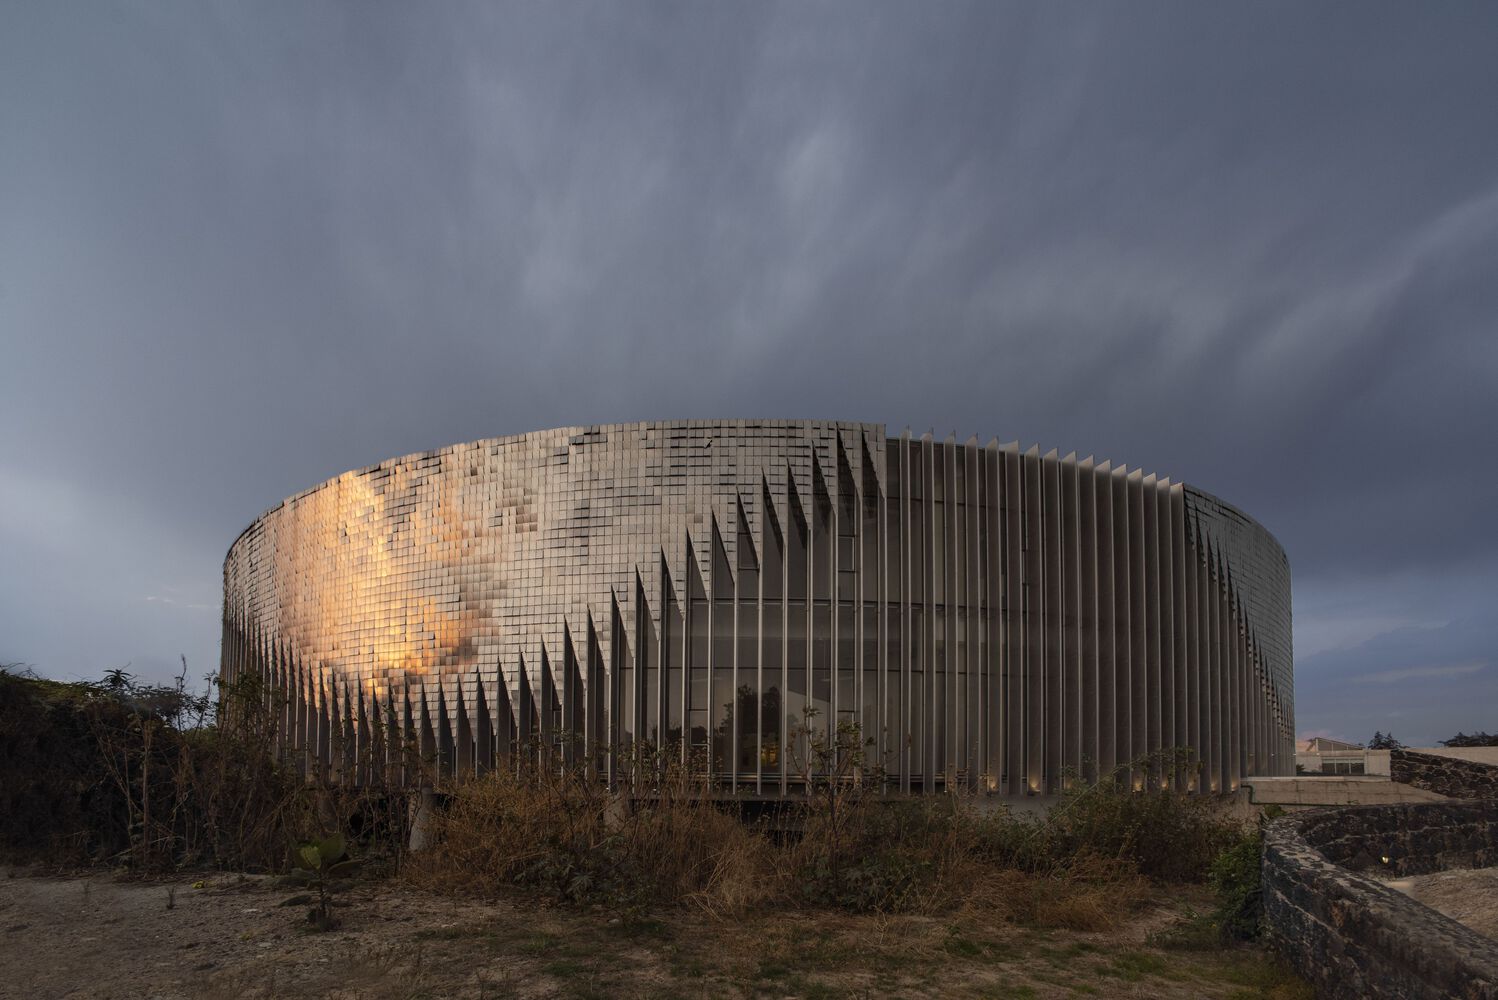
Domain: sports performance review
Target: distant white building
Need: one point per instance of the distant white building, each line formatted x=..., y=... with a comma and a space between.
x=1320, y=755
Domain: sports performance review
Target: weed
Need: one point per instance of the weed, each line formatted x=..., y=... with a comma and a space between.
x=1134, y=966
x=325, y=867
x=1012, y=992
x=564, y=969
x=1262, y=976
x=1193, y=932
x=1066, y=954
x=961, y=947
x=443, y=933
x=773, y=971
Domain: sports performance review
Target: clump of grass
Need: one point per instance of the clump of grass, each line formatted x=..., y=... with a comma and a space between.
x=1134, y=966
x=1193, y=932
x=1093, y=894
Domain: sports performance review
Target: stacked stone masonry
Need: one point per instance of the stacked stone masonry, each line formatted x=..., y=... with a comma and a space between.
x=1449, y=776
x=990, y=617
x=1351, y=935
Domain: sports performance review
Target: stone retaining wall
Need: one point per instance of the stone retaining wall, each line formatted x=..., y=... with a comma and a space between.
x=1450, y=776
x=1352, y=936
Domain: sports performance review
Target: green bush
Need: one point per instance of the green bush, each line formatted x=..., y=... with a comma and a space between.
x=1235, y=878
x=158, y=776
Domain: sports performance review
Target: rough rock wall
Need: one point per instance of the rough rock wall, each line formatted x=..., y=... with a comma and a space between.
x=1458, y=779
x=1352, y=936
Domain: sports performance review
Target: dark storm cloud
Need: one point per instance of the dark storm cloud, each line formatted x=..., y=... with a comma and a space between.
x=243, y=248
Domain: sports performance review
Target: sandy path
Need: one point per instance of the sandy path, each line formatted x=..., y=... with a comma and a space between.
x=1468, y=895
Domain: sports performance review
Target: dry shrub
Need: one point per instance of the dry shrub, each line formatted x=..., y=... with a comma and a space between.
x=859, y=852
x=1091, y=855
x=913, y=855
x=159, y=777
x=556, y=828
x=685, y=847
x=1163, y=835
x=553, y=827
x=931, y=854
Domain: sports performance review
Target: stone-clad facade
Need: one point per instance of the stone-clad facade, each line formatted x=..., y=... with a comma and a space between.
x=990, y=617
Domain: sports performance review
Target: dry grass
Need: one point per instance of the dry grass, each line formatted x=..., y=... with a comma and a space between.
x=231, y=940
x=555, y=830
x=1088, y=866
x=1094, y=895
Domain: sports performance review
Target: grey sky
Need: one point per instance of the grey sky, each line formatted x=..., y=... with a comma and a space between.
x=245, y=247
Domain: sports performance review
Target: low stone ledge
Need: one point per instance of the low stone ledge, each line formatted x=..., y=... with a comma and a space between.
x=1352, y=936
x=1450, y=776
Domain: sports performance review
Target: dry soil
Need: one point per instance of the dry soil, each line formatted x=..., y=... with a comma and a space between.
x=227, y=936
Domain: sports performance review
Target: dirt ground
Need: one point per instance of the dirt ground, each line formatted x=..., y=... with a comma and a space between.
x=227, y=936
x=1467, y=895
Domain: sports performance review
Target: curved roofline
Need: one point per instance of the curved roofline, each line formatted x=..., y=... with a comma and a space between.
x=1241, y=513
x=507, y=438
x=642, y=424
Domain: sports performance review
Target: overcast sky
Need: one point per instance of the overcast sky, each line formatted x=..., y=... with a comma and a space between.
x=244, y=247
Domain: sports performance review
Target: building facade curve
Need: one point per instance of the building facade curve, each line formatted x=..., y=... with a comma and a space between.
x=989, y=617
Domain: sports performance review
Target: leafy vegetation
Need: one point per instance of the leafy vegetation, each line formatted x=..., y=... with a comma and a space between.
x=1235, y=878
x=155, y=778
x=325, y=867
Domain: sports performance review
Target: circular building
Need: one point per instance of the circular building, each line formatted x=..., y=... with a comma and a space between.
x=987, y=617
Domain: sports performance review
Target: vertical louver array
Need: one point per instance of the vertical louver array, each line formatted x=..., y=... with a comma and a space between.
x=990, y=618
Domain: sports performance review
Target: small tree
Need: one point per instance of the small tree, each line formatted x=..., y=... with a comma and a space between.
x=833, y=775
x=1384, y=741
